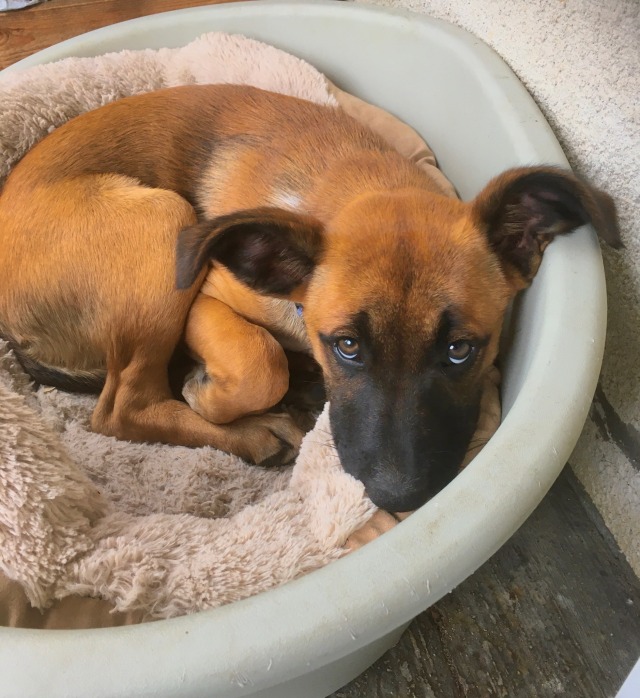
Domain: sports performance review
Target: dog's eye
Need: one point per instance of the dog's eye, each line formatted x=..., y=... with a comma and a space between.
x=347, y=348
x=458, y=352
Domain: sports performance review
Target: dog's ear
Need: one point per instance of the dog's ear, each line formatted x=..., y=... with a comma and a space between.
x=271, y=250
x=523, y=209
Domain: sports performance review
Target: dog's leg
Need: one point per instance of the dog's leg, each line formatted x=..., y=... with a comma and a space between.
x=245, y=370
x=136, y=402
x=136, y=405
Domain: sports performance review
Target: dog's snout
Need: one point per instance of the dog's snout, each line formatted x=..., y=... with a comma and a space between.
x=406, y=462
x=391, y=489
x=396, y=502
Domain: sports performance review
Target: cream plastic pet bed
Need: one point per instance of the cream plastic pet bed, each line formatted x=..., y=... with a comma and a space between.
x=312, y=635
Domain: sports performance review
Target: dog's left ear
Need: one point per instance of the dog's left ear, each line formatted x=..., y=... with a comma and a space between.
x=524, y=209
x=271, y=250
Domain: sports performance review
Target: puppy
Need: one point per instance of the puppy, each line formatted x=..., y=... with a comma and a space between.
x=238, y=204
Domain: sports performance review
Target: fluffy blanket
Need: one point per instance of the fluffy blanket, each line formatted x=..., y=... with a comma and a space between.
x=151, y=529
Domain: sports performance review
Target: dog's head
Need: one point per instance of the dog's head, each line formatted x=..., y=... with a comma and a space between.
x=404, y=296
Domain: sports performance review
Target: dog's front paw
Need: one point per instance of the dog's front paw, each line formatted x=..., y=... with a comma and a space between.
x=270, y=439
x=381, y=522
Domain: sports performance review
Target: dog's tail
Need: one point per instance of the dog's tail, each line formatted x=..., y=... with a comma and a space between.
x=77, y=381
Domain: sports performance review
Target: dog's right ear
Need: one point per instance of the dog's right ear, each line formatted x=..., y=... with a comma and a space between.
x=271, y=250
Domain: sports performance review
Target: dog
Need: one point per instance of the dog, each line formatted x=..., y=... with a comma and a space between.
x=214, y=214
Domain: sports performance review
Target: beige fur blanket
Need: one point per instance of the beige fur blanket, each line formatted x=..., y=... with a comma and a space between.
x=151, y=528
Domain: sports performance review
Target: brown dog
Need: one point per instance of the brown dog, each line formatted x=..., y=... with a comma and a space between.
x=278, y=200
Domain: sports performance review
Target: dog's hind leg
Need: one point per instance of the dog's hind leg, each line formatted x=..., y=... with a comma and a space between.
x=136, y=402
x=136, y=405
x=244, y=370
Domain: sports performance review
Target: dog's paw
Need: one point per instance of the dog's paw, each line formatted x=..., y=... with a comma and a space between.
x=271, y=439
x=381, y=522
x=195, y=391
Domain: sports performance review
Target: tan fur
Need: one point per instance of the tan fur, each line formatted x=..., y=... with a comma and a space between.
x=246, y=368
x=88, y=226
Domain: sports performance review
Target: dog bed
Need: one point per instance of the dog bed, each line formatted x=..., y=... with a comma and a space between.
x=95, y=531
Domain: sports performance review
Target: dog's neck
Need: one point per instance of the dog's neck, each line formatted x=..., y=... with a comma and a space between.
x=318, y=170
x=360, y=174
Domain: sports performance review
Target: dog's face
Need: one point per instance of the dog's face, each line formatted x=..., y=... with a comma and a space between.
x=404, y=312
x=404, y=296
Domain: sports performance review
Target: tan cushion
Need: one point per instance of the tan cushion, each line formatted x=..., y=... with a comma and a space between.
x=70, y=613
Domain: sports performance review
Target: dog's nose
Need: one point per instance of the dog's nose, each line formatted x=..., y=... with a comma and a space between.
x=395, y=491
x=397, y=503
